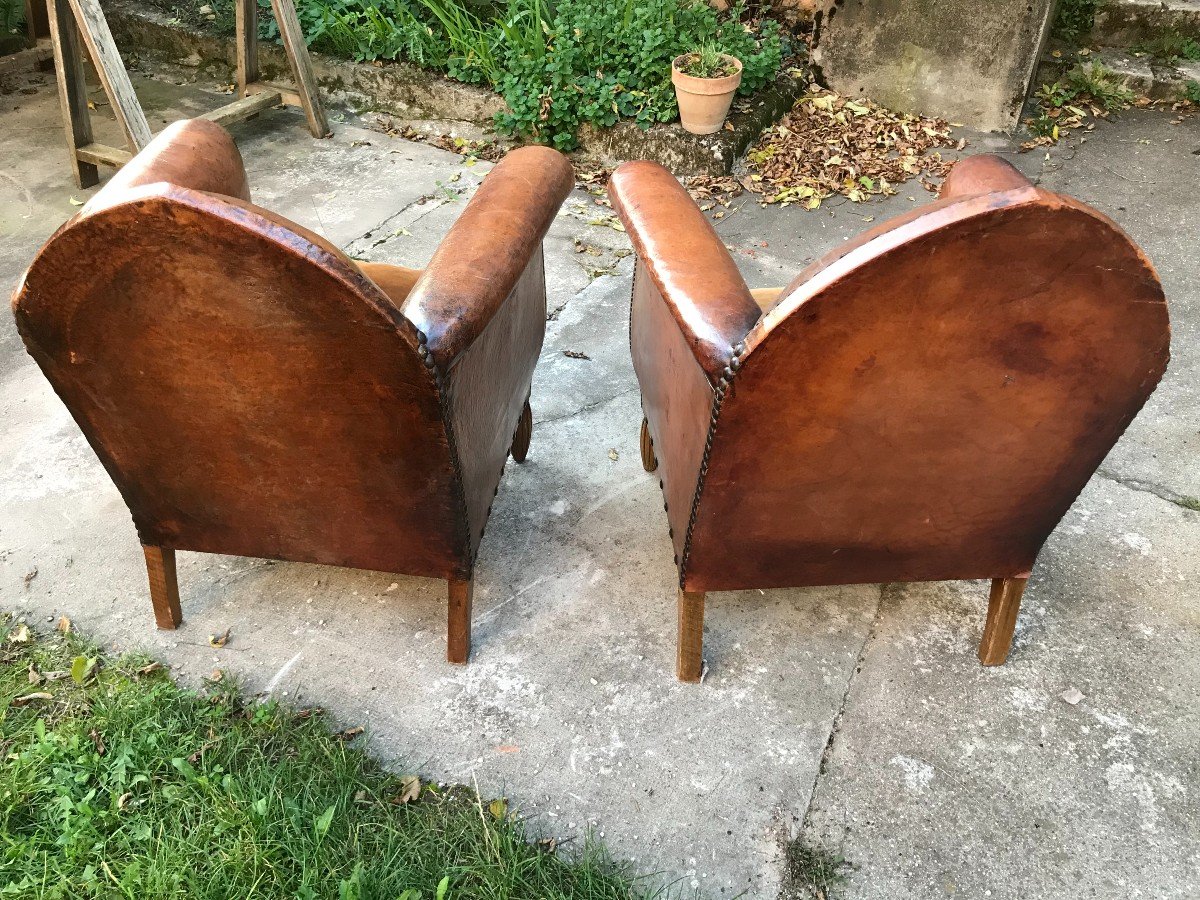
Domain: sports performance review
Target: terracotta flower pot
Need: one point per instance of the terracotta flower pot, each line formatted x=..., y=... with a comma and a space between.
x=704, y=102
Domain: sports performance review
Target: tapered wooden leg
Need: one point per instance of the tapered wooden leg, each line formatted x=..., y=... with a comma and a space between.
x=458, y=624
x=649, y=460
x=164, y=586
x=1003, y=607
x=520, y=442
x=690, y=661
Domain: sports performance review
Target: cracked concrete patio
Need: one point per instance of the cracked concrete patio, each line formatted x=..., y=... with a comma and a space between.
x=857, y=717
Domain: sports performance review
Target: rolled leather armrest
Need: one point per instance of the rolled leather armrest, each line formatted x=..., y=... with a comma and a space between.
x=687, y=261
x=193, y=153
x=983, y=174
x=478, y=264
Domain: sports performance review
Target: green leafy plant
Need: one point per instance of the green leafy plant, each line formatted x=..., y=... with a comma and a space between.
x=605, y=62
x=1066, y=104
x=1101, y=84
x=1171, y=47
x=707, y=62
x=558, y=64
x=1192, y=92
x=12, y=16
x=1074, y=19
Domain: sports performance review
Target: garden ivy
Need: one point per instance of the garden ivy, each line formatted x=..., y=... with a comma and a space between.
x=558, y=65
x=605, y=62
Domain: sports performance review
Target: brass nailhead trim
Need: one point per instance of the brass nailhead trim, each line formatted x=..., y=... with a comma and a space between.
x=735, y=363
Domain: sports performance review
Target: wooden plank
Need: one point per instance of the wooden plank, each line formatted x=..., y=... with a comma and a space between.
x=244, y=108
x=112, y=72
x=26, y=60
x=104, y=155
x=301, y=63
x=72, y=89
x=286, y=95
x=37, y=19
x=246, y=20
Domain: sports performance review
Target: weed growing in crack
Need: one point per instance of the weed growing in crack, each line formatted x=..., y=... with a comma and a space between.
x=813, y=873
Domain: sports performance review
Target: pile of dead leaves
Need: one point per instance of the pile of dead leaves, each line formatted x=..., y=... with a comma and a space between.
x=468, y=147
x=830, y=145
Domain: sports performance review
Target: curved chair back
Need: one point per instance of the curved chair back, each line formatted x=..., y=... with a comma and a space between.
x=928, y=404
x=248, y=389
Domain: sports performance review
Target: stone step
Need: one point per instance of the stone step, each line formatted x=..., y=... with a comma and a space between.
x=1133, y=23
x=1148, y=77
x=1141, y=73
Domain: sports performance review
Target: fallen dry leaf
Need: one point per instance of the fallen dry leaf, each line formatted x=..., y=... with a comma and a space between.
x=349, y=734
x=576, y=354
x=29, y=698
x=64, y=625
x=97, y=741
x=613, y=455
x=410, y=790
x=829, y=145
x=150, y=668
x=19, y=635
x=220, y=640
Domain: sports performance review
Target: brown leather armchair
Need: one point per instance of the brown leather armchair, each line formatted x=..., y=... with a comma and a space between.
x=923, y=404
x=253, y=391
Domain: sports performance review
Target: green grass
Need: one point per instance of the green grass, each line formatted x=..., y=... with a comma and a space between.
x=116, y=782
x=1172, y=47
x=813, y=873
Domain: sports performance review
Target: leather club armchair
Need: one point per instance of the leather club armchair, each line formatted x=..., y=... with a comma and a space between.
x=924, y=403
x=253, y=391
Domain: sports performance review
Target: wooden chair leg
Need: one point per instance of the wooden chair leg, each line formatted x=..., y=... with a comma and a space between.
x=1003, y=607
x=690, y=660
x=458, y=622
x=164, y=586
x=520, y=442
x=649, y=460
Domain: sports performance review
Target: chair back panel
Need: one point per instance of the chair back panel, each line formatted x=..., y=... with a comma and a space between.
x=928, y=405
x=249, y=391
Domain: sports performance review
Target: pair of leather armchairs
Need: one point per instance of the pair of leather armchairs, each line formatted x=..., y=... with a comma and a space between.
x=925, y=403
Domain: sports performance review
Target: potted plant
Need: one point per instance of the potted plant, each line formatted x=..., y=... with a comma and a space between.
x=705, y=81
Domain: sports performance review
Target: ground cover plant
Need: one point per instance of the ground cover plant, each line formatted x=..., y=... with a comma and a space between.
x=116, y=782
x=1089, y=91
x=1074, y=19
x=558, y=64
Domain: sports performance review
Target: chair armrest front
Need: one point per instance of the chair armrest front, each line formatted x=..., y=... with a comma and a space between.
x=687, y=262
x=194, y=153
x=481, y=260
x=983, y=174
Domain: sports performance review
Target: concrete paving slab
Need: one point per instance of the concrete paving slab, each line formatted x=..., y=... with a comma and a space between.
x=569, y=705
x=946, y=779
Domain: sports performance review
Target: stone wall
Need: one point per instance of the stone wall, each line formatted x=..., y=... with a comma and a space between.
x=969, y=61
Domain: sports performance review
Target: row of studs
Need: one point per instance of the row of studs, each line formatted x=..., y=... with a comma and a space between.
x=723, y=385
